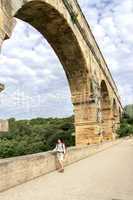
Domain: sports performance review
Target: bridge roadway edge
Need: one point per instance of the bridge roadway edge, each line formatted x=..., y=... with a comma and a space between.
x=22, y=174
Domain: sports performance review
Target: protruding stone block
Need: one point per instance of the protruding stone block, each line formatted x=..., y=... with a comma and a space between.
x=4, y=126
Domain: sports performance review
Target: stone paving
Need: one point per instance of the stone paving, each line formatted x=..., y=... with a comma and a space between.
x=107, y=175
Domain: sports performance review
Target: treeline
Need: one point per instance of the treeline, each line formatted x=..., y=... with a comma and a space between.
x=35, y=135
x=126, y=125
x=129, y=110
x=40, y=134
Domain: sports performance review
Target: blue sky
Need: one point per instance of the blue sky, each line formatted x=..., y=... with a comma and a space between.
x=34, y=78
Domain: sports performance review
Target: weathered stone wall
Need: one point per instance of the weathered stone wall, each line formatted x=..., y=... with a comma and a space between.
x=1, y=87
x=64, y=26
x=14, y=171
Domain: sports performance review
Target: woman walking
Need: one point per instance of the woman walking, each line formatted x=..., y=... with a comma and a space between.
x=60, y=152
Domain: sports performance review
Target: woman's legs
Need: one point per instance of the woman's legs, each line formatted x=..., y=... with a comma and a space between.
x=61, y=165
x=60, y=158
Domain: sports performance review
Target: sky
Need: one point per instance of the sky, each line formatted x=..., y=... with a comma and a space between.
x=36, y=85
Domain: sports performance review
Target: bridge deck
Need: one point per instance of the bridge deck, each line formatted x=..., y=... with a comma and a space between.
x=107, y=175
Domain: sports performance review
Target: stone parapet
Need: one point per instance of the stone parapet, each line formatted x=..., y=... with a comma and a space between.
x=18, y=170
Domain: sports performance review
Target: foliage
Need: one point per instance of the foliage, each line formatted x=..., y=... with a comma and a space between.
x=129, y=110
x=126, y=125
x=35, y=135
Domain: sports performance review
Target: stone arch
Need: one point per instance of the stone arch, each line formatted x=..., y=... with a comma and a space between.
x=56, y=30
x=116, y=119
x=105, y=99
x=120, y=114
x=105, y=110
x=115, y=110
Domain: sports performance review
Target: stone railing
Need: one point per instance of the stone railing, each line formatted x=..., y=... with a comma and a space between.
x=18, y=170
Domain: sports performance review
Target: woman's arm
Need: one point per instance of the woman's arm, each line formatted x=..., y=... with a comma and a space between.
x=64, y=148
x=55, y=149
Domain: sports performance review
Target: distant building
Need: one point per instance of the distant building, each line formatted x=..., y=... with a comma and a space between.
x=4, y=126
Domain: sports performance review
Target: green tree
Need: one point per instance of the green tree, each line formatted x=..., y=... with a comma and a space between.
x=35, y=135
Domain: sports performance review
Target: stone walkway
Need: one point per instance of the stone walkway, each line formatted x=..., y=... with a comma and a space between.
x=107, y=175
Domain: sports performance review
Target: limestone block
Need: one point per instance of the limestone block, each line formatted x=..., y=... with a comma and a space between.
x=6, y=23
x=4, y=126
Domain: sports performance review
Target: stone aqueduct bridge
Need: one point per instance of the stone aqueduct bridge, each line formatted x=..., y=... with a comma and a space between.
x=94, y=94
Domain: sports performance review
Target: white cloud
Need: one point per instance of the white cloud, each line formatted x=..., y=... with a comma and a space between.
x=34, y=78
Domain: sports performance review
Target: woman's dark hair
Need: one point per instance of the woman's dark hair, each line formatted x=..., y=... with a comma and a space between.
x=62, y=141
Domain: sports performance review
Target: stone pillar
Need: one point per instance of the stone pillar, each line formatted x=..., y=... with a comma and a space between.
x=86, y=126
x=107, y=123
x=110, y=125
x=2, y=87
x=116, y=124
x=108, y=129
x=2, y=36
x=4, y=127
x=7, y=23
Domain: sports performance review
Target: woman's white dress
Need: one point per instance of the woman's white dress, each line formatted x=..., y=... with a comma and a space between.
x=60, y=150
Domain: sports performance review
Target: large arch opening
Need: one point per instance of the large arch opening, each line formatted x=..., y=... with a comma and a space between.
x=105, y=110
x=56, y=30
x=33, y=76
x=36, y=99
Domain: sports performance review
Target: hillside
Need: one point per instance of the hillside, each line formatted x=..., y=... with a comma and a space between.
x=35, y=135
x=126, y=126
